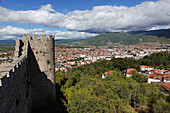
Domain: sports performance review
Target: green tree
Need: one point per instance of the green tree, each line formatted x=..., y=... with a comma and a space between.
x=139, y=77
x=161, y=106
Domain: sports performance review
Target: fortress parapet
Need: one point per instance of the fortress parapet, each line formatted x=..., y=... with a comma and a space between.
x=43, y=50
x=42, y=37
x=5, y=70
x=26, y=83
x=14, y=87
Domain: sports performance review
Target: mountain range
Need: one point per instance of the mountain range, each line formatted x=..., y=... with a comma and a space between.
x=129, y=38
x=7, y=42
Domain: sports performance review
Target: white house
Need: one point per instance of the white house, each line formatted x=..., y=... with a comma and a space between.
x=150, y=80
x=146, y=68
x=130, y=72
x=71, y=62
x=106, y=73
x=167, y=79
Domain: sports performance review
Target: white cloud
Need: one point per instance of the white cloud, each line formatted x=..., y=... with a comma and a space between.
x=160, y=27
x=47, y=7
x=10, y=32
x=100, y=19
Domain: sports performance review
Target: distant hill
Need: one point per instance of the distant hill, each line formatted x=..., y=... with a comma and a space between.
x=135, y=37
x=131, y=38
x=158, y=33
x=64, y=41
x=7, y=42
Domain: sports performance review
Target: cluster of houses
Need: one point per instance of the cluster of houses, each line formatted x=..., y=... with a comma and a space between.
x=6, y=57
x=154, y=75
x=66, y=58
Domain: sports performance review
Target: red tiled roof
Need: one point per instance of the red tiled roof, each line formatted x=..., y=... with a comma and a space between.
x=153, y=70
x=130, y=70
x=146, y=66
x=166, y=86
x=167, y=77
x=109, y=72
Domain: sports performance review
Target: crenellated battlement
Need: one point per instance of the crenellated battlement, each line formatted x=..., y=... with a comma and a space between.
x=14, y=87
x=42, y=37
x=8, y=70
x=29, y=79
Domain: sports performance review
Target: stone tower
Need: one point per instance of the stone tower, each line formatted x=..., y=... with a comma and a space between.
x=40, y=66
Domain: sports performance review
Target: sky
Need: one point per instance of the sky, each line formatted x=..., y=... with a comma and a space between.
x=72, y=19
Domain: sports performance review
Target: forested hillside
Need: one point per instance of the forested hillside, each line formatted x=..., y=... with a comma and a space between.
x=6, y=48
x=7, y=42
x=161, y=60
x=125, y=38
x=85, y=90
x=63, y=41
x=158, y=33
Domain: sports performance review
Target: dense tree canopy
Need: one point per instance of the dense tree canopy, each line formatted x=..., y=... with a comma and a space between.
x=86, y=91
x=157, y=59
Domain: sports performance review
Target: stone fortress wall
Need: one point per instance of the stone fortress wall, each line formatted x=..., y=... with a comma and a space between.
x=14, y=89
x=29, y=79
